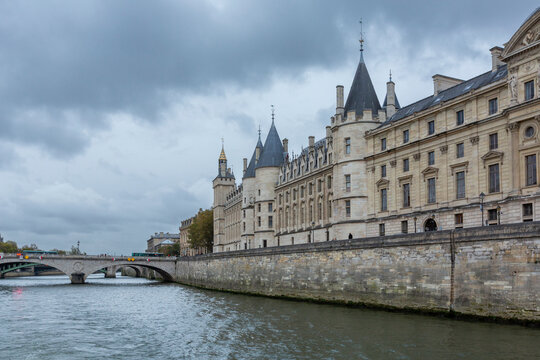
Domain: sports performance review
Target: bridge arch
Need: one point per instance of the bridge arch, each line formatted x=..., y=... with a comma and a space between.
x=167, y=277
x=33, y=262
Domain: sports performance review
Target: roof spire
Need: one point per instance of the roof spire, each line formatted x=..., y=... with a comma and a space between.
x=272, y=106
x=361, y=38
x=222, y=155
x=259, y=131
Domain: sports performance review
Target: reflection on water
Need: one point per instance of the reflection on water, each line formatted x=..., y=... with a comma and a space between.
x=127, y=318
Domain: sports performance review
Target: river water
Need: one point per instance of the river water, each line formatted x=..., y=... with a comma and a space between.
x=129, y=318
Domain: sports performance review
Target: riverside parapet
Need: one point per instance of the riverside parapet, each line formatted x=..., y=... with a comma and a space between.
x=486, y=272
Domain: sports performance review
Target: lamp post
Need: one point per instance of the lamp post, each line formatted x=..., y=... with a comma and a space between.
x=482, y=196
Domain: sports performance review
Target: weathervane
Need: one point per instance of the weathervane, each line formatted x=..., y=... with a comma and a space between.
x=259, y=130
x=390, y=74
x=272, y=106
x=361, y=36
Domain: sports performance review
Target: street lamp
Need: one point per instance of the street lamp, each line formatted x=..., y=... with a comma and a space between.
x=482, y=196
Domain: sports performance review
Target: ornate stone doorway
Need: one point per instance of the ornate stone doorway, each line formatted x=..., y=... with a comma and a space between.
x=430, y=225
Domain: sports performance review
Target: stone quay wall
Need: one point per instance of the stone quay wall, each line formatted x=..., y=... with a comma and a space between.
x=486, y=271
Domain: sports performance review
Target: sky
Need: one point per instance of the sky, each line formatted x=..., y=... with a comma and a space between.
x=112, y=112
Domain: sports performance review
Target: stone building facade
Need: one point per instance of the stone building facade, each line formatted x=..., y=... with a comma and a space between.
x=465, y=156
x=185, y=248
x=157, y=240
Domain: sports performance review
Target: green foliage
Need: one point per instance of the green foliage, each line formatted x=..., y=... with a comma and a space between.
x=60, y=252
x=201, y=231
x=74, y=250
x=29, y=247
x=8, y=247
x=170, y=250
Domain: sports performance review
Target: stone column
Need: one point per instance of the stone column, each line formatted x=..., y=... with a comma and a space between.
x=111, y=272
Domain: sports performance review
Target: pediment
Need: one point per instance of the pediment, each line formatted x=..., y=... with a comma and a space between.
x=382, y=183
x=492, y=155
x=527, y=36
x=430, y=170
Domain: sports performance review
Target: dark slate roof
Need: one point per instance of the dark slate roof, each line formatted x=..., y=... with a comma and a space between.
x=362, y=94
x=250, y=171
x=397, y=101
x=449, y=94
x=272, y=153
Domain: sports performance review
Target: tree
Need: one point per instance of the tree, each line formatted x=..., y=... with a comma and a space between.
x=171, y=250
x=201, y=231
x=74, y=250
x=8, y=247
x=30, y=247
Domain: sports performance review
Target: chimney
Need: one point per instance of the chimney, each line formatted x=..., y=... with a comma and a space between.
x=496, y=57
x=245, y=165
x=286, y=145
x=390, y=99
x=311, y=141
x=442, y=82
x=339, y=99
x=257, y=154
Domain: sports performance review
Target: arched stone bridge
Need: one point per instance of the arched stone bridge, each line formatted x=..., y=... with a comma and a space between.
x=78, y=267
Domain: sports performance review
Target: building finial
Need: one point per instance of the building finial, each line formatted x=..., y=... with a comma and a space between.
x=361, y=36
x=272, y=106
x=390, y=74
x=259, y=131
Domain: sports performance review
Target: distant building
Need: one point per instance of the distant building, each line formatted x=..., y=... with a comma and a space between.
x=185, y=248
x=161, y=239
x=466, y=155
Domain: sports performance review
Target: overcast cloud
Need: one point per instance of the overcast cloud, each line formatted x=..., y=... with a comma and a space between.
x=111, y=112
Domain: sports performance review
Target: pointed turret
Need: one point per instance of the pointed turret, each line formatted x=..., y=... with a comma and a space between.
x=272, y=153
x=223, y=171
x=362, y=95
x=250, y=171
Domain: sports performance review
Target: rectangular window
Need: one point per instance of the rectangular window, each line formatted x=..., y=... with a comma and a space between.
x=310, y=188
x=329, y=209
x=460, y=185
x=493, y=141
x=527, y=212
x=460, y=119
x=329, y=182
x=279, y=199
x=294, y=194
x=319, y=211
x=311, y=213
x=493, y=106
x=384, y=202
x=347, y=145
x=460, y=150
x=406, y=195
x=431, y=127
x=302, y=191
x=381, y=230
x=270, y=222
x=319, y=185
x=406, y=164
x=529, y=90
x=494, y=178
x=458, y=220
x=259, y=207
x=431, y=158
x=348, y=208
x=431, y=191
x=244, y=226
x=244, y=214
x=258, y=220
x=405, y=136
x=383, y=170
x=383, y=144
x=270, y=207
x=265, y=243
x=347, y=183
x=492, y=214
x=404, y=226
x=530, y=169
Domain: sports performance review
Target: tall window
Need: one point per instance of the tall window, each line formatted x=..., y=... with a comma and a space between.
x=493, y=108
x=459, y=117
x=431, y=127
x=329, y=209
x=431, y=191
x=348, y=208
x=302, y=191
x=384, y=198
x=383, y=144
x=406, y=164
x=460, y=185
x=529, y=90
x=319, y=211
x=294, y=194
x=383, y=170
x=381, y=230
x=347, y=183
x=494, y=178
x=458, y=220
x=319, y=185
x=310, y=188
x=405, y=136
x=530, y=168
x=259, y=207
x=270, y=221
x=493, y=141
x=528, y=212
x=431, y=158
x=406, y=195
x=347, y=145
x=311, y=212
x=270, y=207
x=258, y=221
x=329, y=182
x=460, y=150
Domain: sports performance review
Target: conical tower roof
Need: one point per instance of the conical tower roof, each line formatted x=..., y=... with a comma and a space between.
x=272, y=152
x=250, y=171
x=397, y=102
x=362, y=94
